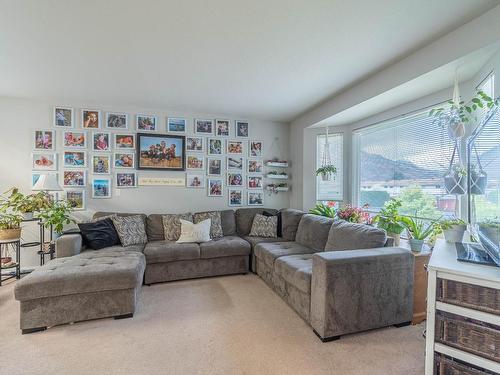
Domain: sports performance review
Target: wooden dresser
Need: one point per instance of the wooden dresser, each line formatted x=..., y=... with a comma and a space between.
x=463, y=316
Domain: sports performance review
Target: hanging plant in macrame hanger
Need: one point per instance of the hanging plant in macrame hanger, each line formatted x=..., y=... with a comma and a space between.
x=327, y=170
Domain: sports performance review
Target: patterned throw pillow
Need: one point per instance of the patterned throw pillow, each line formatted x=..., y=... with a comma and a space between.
x=194, y=232
x=172, y=225
x=131, y=230
x=264, y=226
x=216, y=223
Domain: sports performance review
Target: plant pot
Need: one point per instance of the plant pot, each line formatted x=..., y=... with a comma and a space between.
x=28, y=215
x=10, y=234
x=326, y=176
x=455, y=233
x=396, y=236
x=456, y=130
x=416, y=245
x=478, y=182
x=455, y=184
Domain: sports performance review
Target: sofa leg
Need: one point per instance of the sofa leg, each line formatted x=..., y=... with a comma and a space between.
x=404, y=324
x=33, y=330
x=326, y=339
x=124, y=316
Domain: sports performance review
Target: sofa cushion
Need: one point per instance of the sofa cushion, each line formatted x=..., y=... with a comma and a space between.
x=352, y=236
x=172, y=225
x=228, y=221
x=256, y=240
x=224, y=247
x=264, y=226
x=133, y=248
x=269, y=252
x=313, y=231
x=244, y=218
x=154, y=227
x=99, y=234
x=168, y=251
x=290, y=220
x=131, y=229
x=215, y=222
x=102, y=214
x=296, y=270
x=90, y=271
x=191, y=232
x=278, y=219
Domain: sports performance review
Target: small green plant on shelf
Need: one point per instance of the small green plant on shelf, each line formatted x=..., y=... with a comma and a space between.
x=389, y=218
x=419, y=230
x=16, y=201
x=277, y=173
x=327, y=210
x=10, y=226
x=326, y=172
x=57, y=216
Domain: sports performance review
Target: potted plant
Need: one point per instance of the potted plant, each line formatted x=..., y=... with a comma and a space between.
x=10, y=226
x=27, y=205
x=326, y=172
x=327, y=210
x=478, y=180
x=418, y=231
x=389, y=219
x=453, y=229
x=57, y=215
x=455, y=181
x=354, y=214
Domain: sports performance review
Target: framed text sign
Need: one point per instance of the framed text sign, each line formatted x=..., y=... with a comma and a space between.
x=162, y=181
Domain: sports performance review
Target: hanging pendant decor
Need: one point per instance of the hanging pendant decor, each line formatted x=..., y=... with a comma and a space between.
x=327, y=169
x=455, y=180
x=478, y=177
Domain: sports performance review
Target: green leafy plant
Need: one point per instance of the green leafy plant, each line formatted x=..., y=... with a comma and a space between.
x=447, y=224
x=327, y=210
x=57, y=215
x=10, y=220
x=459, y=170
x=463, y=112
x=327, y=169
x=16, y=201
x=388, y=218
x=418, y=229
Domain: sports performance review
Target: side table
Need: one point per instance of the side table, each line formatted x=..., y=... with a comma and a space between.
x=10, y=249
x=420, y=286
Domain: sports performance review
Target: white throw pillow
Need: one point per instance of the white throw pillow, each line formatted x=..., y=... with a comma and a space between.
x=194, y=232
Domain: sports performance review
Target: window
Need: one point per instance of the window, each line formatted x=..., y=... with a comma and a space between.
x=487, y=85
x=330, y=190
x=405, y=158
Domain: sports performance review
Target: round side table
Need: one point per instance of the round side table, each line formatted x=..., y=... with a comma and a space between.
x=10, y=251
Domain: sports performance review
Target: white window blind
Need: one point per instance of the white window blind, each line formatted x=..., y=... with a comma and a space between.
x=405, y=158
x=330, y=190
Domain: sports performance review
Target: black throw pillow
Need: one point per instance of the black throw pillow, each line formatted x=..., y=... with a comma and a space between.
x=99, y=235
x=279, y=231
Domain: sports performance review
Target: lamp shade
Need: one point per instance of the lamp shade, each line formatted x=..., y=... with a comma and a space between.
x=47, y=182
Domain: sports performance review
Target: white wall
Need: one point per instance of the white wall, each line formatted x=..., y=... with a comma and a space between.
x=19, y=117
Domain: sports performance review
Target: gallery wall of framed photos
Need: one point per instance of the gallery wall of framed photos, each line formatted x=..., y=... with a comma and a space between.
x=100, y=155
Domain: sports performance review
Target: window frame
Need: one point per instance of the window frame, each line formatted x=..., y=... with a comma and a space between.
x=340, y=166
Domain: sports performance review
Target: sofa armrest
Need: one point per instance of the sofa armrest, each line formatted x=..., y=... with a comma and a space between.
x=68, y=245
x=357, y=290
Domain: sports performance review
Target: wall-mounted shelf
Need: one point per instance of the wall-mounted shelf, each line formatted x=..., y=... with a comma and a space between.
x=277, y=177
x=277, y=164
x=277, y=189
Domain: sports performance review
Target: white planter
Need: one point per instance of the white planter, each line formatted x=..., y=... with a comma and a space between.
x=416, y=245
x=28, y=215
x=326, y=177
x=396, y=236
x=455, y=233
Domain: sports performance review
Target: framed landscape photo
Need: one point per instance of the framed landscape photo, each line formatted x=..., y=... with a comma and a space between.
x=195, y=162
x=255, y=149
x=91, y=119
x=214, y=167
x=176, y=125
x=242, y=129
x=235, y=197
x=101, y=141
x=255, y=182
x=63, y=117
x=204, y=126
x=44, y=140
x=124, y=141
x=146, y=123
x=195, y=180
x=75, y=159
x=255, y=198
x=161, y=152
x=101, y=164
x=74, y=178
x=222, y=128
x=234, y=179
x=125, y=180
x=76, y=198
x=215, y=186
x=74, y=139
x=44, y=161
x=255, y=166
x=195, y=144
x=215, y=146
x=116, y=120
x=101, y=188
x=234, y=163
x=235, y=147
x=124, y=160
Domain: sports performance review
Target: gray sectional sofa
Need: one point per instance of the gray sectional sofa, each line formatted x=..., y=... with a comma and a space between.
x=339, y=277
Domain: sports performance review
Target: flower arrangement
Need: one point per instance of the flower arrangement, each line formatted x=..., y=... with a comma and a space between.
x=354, y=214
x=327, y=210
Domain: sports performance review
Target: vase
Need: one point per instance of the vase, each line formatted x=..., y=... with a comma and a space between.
x=416, y=245
x=455, y=233
x=456, y=130
x=396, y=236
x=10, y=234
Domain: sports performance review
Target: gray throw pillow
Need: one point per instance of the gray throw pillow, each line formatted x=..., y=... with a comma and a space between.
x=172, y=225
x=352, y=236
x=264, y=226
x=215, y=225
x=131, y=229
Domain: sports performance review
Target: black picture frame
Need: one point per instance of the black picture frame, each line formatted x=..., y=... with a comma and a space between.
x=148, y=163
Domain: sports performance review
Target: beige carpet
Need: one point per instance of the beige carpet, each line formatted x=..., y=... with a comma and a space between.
x=224, y=325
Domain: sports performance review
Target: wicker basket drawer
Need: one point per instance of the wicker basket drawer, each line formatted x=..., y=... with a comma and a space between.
x=444, y=365
x=469, y=295
x=469, y=335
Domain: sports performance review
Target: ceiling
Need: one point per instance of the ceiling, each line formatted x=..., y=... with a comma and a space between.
x=270, y=59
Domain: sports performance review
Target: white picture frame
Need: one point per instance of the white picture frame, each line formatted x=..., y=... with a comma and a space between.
x=215, y=146
x=255, y=166
x=44, y=161
x=235, y=147
x=212, y=168
x=101, y=188
x=222, y=128
x=63, y=117
x=35, y=175
x=255, y=149
x=177, y=125
x=121, y=141
x=125, y=180
x=235, y=197
x=116, y=120
x=195, y=144
x=195, y=162
x=98, y=169
x=215, y=187
x=70, y=175
x=74, y=159
x=235, y=179
x=204, y=127
x=235, y=163
x=146, y=123
x=255, y=198
x=87, y=118
x=195, y=180
x=71, y=142
x=241, y=129
x=101, y=145
x=44, y=140
x=70, y=194
x=255, y=182
x=121, y=160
